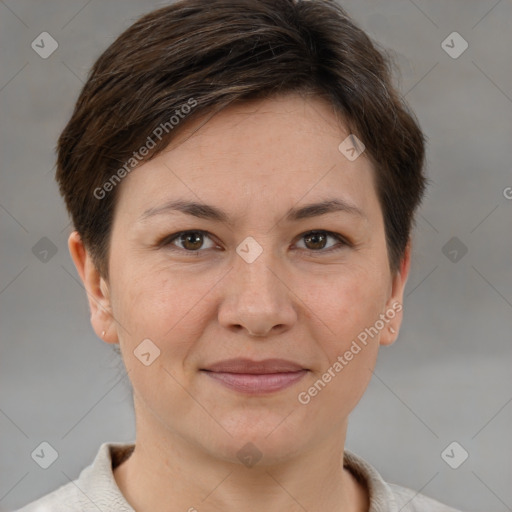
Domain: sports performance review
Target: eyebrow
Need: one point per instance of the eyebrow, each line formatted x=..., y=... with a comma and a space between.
x=205, y=211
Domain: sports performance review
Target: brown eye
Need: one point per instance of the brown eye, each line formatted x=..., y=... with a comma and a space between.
x=187, y=241
x=316, y=241
x=192, y=241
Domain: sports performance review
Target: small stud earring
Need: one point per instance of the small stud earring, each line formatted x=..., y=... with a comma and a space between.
x=103, y=334
x=392, y=330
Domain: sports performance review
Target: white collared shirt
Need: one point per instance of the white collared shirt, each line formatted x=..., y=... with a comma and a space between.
x=96, y=489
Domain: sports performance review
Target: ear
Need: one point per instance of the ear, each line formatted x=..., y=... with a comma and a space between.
x=98, y=292
x=394, y=304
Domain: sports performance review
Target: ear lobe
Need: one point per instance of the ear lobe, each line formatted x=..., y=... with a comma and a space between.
x=394, y=304
x=97, y=289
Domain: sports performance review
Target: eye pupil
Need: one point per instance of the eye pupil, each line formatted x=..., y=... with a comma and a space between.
x=314, y=238
x=192, y=241
x=195, y=238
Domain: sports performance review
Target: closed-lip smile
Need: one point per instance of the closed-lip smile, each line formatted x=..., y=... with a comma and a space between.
x=256, y=377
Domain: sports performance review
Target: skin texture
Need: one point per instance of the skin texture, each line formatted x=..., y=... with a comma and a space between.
x=298, y=300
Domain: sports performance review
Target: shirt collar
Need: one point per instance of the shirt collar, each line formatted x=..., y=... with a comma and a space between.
x=97, y=480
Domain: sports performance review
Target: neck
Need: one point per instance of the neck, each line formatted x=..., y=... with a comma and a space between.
x=166, y=468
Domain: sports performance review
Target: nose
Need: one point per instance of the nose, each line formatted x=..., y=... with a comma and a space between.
x=257, y=298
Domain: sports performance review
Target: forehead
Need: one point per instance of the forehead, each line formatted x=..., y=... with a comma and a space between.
x=259, y=155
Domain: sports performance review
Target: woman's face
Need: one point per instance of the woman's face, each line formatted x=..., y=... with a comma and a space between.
x=250, y=281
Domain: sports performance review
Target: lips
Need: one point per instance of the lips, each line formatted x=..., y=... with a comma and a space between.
x=256, y=377
x=241, y=365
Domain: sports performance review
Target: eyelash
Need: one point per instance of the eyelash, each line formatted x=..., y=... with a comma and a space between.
x=167, y=242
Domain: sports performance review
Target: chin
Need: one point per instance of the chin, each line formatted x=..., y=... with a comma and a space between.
x=263, y=439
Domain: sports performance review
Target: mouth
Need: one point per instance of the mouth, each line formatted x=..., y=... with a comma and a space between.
x=256, y=377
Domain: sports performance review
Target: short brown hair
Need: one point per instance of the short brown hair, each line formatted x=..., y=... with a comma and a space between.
x=217, y=52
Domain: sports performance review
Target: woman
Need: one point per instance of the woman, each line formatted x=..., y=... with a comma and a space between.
x=242, y=179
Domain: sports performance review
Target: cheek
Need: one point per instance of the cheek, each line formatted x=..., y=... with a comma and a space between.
x=350, y=308
x=165, y=305
x=170, y=309
x=347, y=304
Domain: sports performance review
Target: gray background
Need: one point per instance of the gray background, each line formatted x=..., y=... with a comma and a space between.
x=448, y=376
